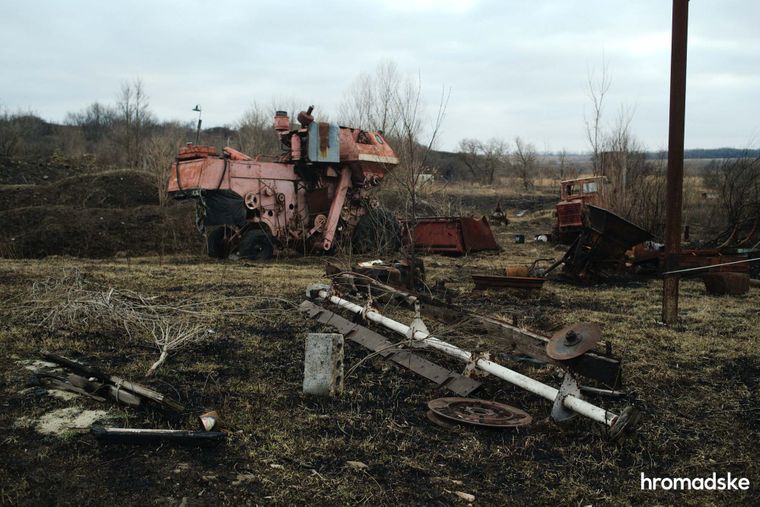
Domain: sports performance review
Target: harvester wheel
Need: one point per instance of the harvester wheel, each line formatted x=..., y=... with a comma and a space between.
x=378, y=232
x=256, y=245
x=218, y=247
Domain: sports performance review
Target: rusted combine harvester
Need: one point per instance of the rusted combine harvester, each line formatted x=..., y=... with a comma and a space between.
x=317, y=189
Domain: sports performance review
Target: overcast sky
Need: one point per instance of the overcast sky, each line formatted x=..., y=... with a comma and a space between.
x=513, y=67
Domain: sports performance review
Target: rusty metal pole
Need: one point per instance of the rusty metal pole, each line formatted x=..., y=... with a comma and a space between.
x=674, y=191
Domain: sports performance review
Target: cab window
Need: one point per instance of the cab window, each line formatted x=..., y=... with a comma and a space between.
x=590, y=187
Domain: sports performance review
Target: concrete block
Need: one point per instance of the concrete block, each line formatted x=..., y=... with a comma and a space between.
x=323, y=364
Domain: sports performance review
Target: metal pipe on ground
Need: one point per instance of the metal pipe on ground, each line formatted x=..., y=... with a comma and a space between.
x=571, y=402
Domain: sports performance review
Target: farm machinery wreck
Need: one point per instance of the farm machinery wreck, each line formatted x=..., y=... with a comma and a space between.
x=317, y=191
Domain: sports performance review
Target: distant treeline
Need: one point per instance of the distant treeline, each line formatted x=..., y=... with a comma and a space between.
x=708, y=153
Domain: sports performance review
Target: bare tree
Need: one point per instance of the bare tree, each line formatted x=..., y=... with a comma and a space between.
x=524, y=161
x=96, y=121
x=372, y=101
x=254, y=131
x=135, y=117
x=562, y=163
x=597, y=90
x=484, y=159
x=737, y=182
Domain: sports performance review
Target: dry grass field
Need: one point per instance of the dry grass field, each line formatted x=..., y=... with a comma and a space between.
x=696, y=385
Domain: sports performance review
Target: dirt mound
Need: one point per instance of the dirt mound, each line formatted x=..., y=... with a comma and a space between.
x=35, y=171
x=110, y=189
x=40, y=231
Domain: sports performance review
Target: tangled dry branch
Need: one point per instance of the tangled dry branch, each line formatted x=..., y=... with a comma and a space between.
x=72, y=302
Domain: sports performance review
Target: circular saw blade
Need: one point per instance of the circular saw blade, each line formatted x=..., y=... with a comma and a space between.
x=479, y=412
x=573, y=341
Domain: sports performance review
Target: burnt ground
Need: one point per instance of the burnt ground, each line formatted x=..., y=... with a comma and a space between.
x=696, y=384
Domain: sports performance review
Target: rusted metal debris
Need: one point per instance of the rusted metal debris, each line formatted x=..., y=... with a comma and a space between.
x=573, y=341
x=472, y=411
x=653, y=261
x=575, y=196
x=451, y=235
x=512, y=339
x=152, y=436
x=719, y=284
x=599, y=250
x=495, y=282
x=114, y=386
x=567, y=400
x=499, y=217
x=396, y=273
x=375, y=342
x=210, y=420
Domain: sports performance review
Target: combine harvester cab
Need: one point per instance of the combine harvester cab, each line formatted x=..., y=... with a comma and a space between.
x=575, y=195
x=318, y=188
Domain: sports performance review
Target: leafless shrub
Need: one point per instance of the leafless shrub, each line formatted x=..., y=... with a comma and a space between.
x=525, y=162
x=170, y=335
x=737, y=184
x=158, y=155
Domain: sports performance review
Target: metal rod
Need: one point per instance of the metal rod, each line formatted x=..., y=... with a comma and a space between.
x=701, y=268
x=674, y=191
x=550, y=393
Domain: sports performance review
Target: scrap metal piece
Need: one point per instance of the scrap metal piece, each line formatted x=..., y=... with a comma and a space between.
x=210, y=420
x=573, y=341
x=625, y=422
x=575, y=403
x=719, y=284
x=479, y=412
x=600, y=248
x=118, y=382
x=417, y=325
x=451, y=235
x=570, y=387
x=602, y=368
x=440, y=421
x=365, y=337
x=151, y=436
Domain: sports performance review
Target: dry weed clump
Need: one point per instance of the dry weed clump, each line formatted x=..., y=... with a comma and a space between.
x=75, y=303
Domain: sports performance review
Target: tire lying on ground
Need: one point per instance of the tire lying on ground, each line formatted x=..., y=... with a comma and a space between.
x=377, y=231
x=256, y=245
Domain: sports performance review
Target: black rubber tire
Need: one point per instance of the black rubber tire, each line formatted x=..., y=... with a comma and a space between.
x=378, y=232
x=256, y=245
x=218, y=247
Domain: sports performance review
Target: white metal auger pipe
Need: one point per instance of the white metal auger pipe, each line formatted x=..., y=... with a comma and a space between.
x=573, y=403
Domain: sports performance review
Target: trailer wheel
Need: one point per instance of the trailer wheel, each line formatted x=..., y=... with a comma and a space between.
x=378, y=231
x=256, y=245
x=217, y=242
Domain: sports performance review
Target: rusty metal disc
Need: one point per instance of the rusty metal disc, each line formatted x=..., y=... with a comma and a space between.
x=479, y=412
x=573, y=341
x=440, y=421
